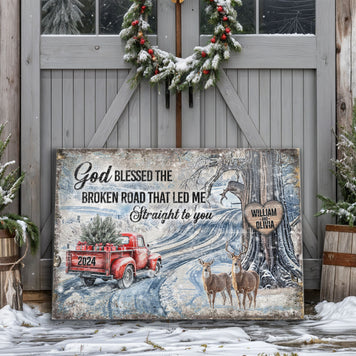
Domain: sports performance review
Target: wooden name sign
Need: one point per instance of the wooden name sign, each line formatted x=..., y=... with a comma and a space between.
x=177, y=234
x=264, y=218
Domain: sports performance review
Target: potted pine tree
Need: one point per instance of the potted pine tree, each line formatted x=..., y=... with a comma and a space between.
x=339, y=258
x=15, y=231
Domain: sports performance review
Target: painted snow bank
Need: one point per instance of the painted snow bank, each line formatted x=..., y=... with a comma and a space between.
x=332, y=329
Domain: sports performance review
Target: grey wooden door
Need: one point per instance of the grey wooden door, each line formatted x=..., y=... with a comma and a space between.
x=279, y=92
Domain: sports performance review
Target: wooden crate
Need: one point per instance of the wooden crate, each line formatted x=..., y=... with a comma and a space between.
x=338, y=278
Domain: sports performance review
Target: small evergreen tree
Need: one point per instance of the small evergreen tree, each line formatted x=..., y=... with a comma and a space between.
x=62, y=16
x=100, y=231
x=345, y=172
x=10, y=183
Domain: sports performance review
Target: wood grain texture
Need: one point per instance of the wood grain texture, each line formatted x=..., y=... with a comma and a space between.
x=325, y=34
x=165, y=40
x=84, y=52
x=30, y=128
x=341, y=228
x=191, y=118
x=9, y=253
x=353, y=269
x=278, y=52
x=107, y=124
x=342, y=274
x=329, y=272
x=10, y=83
x=344, y=25
x=242, y=117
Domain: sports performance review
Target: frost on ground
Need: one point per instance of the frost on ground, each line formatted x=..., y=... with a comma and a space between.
x=332, y=330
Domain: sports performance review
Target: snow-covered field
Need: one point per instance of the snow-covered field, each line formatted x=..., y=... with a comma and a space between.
x=332, y=330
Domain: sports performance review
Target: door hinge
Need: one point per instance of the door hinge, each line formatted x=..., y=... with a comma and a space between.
x=175, y=1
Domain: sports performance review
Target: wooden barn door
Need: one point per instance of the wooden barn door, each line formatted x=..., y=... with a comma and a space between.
x=279, y=92
x=76, y=94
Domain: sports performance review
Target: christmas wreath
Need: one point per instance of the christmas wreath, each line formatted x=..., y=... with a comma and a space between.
x=200, y=69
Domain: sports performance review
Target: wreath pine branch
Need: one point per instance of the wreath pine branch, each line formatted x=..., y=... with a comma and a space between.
x=199, y=70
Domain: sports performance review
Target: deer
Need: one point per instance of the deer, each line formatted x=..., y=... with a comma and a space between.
x=244, y=282
x=214, y=283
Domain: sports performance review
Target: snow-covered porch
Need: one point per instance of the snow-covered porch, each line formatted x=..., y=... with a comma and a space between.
x=331, y=329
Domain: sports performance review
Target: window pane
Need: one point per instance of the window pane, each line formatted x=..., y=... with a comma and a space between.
x=287, y=16
x=112, y=13
x=68, y=17
x=245, y=15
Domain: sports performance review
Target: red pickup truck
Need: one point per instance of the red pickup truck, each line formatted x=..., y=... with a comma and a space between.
x=120, y=262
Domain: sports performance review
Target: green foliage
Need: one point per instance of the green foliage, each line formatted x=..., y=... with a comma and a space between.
x=21, y=228
x=18, y=226
x=9, y=182
x=201, y=69
x=61, y=16
x=345, y=172
x=100, y=231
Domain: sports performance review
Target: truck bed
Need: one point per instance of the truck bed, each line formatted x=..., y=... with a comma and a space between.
x=93, y=261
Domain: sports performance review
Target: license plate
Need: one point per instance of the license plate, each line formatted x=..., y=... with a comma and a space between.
x=86, y=261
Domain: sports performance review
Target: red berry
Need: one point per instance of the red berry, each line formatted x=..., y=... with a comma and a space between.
x=150, y=51
x=142, y=41
x=223, y=37
x=225, y=18
x=156, y=72
x=205, y=71
x=134, y=23
x=143, y=7
x=227, y=30
x=213, y=40
x=220, y=9
x=203, y=54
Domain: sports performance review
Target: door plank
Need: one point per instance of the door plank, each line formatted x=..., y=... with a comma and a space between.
x=30, y=128
x=276, y=109
x=265, y=105
x=287, y=113
x=113, y=114
x=241, y=116
x=123, y=123
x=78, y=100
x=309, y=151
x=111, y=89
x=326, y=106
x=243, y=92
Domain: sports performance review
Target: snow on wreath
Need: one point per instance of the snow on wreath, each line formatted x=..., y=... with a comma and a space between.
x=200, y=69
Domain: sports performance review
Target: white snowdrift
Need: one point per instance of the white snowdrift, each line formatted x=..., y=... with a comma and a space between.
x=30, y=332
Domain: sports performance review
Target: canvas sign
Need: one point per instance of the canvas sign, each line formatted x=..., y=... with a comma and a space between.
x=178, y=234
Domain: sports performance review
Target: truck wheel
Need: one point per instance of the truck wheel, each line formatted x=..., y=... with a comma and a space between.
x=158, y=268
x=127, y=279
x=88, y=281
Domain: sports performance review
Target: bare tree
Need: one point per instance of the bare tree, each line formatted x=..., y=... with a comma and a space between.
x=260, y=180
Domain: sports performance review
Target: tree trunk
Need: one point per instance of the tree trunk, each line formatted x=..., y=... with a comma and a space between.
x=271, y=256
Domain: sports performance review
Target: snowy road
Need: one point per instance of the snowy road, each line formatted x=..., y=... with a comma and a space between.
x=143, y=299
x=332, y=331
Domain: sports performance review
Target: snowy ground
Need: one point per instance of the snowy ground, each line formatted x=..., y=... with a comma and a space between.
x=332, y=330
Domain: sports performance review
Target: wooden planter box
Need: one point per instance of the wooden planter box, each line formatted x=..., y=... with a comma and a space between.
x=9, y=253
x=338, y=278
